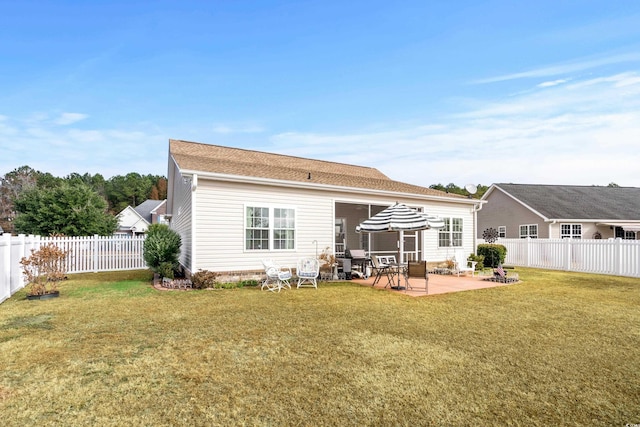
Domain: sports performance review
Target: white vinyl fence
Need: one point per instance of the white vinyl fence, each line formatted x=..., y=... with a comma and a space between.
x=84, y=254
x=616, y=256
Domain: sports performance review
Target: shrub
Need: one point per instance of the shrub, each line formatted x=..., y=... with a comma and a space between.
x=161, y=250
x=494, y=254
x=204, y=279
x=248, y=282
x=479, y=259
x=44, y=269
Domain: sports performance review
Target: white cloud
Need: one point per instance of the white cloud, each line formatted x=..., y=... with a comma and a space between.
x=553, y=83
x=581, y=133
x=69, y=118
x=565, y=68
x=62, y=150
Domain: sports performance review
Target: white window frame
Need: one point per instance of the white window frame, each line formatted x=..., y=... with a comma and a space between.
x=451, y=233
x=272, y=233
x=528, y=231
x=502, y=231
x=570, y=231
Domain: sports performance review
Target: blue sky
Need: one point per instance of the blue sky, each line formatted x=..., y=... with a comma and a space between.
x=426, y=91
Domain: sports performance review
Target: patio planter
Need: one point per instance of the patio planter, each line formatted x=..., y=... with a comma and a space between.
x=54, y=294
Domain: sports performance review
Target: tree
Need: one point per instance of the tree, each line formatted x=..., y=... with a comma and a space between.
x=454, y=189
x=131, y=190
x=71, y=208
x=11, y=186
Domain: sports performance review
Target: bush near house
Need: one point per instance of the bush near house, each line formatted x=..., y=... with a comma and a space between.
x=494, y=254
x=161, y=250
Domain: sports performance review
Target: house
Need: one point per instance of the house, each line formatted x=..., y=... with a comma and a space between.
x=132, y=221
x=561, y=211
x=234, y=208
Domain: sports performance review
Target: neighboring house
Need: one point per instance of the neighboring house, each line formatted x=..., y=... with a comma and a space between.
x=561, y=211
x=234, y=208
x=137, y=220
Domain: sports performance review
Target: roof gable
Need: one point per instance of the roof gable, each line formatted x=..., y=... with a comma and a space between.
x=146, y=208
x=578, y=202
x=217, y=159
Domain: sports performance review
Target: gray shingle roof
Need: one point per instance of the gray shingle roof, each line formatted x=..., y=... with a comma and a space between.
x=145, y=208
x=236, y=161
x=579, y=202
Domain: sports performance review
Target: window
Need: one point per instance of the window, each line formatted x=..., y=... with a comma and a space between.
x=529, y=230
x=502, y=231
x=451, y=233
x=571, y=231
x=624, y=234
x=269, y=228
x=284, y=229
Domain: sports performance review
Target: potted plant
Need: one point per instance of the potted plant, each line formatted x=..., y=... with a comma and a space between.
x=328, y=264
x=43, y=270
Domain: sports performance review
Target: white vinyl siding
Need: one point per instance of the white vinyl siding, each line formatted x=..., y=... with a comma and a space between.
x=181, y=220
x=221, y=244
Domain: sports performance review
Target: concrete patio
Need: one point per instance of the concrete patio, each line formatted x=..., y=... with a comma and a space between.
x=438, y=284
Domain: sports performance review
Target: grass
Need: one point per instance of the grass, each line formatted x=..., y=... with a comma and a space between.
x=557, y=349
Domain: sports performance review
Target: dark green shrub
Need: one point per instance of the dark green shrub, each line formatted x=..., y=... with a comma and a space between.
x=249, y=282
x=161, y=250
x=479, y=259
x=204, y=279
x=494, y=254
x=166, y=269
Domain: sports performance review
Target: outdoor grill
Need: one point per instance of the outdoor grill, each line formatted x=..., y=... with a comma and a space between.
x=358, y=257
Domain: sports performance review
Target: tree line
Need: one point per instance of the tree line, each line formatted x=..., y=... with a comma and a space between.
x=34, y=202
x=454, y=189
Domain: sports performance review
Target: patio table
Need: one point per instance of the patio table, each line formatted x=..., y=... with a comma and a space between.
x=397, y=269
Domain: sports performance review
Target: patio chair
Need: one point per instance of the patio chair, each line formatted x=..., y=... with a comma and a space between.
x=277, y=277
x=381, y=269
x=307, y=271
x=417, y=269
x=462, y=265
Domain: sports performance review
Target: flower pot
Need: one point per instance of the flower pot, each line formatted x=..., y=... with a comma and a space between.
x=49, y=295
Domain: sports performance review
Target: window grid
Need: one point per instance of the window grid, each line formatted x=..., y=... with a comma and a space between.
x=529, y=230
x=268, y=228
x=451, y=234
x=257, y=232
x=284, y=228
x=570, y=231
x=502, y=231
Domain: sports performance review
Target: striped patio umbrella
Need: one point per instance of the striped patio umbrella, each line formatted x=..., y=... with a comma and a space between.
x=399, y=217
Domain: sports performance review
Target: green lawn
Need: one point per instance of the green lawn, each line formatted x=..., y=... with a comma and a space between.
x=556, y=349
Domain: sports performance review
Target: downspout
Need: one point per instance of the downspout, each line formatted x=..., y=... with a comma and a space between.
x=549, y=230
x=194, y=243
x=476, y=208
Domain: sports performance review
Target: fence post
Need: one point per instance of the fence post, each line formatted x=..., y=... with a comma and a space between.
x=618, y=257
x=567, y=253
x=5, y=262
x=95, y=253
x=527, y=251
